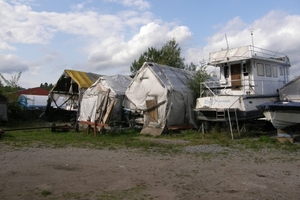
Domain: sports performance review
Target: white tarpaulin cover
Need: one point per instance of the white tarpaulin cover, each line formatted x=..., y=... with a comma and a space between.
x=94, y=96
x=164, y=88
x=245, y=52
x=230, y=54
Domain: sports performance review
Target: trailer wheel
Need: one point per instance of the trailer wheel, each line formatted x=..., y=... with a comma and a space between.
x=73, y=121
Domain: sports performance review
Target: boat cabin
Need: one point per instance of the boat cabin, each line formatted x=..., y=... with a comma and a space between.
x=250, y=70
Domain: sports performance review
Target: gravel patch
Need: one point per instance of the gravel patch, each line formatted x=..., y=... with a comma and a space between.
x=212, y=148
x=83, y=173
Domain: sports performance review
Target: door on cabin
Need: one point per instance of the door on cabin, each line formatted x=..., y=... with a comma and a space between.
x=236, y=81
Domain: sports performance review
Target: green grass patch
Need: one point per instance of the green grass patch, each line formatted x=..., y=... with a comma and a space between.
x=46, y=192
x=170, y=142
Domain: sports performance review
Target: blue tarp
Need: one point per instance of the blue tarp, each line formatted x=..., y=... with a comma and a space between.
x=33, y=101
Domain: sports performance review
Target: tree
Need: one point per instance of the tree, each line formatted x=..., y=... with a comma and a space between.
x=14, y=109
x=169, y=55
x=195, y=82
x=191, y=67
x=46, y=86
x=13, y=83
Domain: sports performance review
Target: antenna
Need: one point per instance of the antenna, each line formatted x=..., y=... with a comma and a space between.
x=226, y=41
x=252, y=39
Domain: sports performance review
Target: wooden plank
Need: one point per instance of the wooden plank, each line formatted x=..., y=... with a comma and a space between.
x=102, y=107
x=285, y=135
x=153, y=113
x=108, y=112
x=154, y=106
x=152, y=131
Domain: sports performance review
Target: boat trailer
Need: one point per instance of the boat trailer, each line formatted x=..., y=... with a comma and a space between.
x=53, y=127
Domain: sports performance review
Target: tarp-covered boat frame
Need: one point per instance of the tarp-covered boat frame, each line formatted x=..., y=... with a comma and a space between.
x=161, y=93
x=70, y=86
x=102, y=102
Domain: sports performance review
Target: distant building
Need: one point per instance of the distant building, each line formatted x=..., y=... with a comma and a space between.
x=34, y=91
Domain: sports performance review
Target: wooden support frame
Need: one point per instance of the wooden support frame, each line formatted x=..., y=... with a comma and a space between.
x=95, y=125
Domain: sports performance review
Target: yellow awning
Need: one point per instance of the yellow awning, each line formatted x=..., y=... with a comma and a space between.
x=83, y=79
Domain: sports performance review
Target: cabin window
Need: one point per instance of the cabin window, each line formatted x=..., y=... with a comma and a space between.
x=268, y=70
x=226, y=74
x=260, y=69
x=281, y=70
x=245, y=71
x=275, y=71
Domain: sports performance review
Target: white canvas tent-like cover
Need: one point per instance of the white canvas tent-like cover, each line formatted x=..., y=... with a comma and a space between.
x=162, y=94
x=103, y=100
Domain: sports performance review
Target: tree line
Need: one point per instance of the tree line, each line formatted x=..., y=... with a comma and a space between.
x=46, y=86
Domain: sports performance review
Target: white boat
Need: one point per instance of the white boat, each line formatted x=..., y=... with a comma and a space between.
x=249, y=76
x=286, y=112
x=281, y=114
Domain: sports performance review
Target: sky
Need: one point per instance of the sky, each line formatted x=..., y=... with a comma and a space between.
x=42, y=38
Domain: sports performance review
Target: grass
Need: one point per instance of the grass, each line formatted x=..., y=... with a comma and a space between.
x=46, y=192
x=168, y=142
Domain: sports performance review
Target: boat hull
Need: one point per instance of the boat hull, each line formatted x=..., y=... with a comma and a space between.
x=223, y=115
x=223, y=108
x=281, y=114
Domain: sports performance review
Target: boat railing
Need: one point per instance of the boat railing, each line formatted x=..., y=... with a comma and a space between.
x=212, y=86
x=257, y=51
x=257, y=87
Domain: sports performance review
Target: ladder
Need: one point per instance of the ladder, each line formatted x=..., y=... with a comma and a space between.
x=220, y=114
x=230, y=123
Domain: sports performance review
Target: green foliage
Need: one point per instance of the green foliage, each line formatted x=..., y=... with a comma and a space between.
x=169, y=55
x=46, y=192
x=10, y=92
x=195, y=82
x=15, y=112
x=13, y=83
x=191, y=67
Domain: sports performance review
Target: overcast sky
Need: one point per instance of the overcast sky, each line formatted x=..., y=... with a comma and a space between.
x=42, y=38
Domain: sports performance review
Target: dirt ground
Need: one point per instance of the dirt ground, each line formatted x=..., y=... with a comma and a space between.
x=207, y=173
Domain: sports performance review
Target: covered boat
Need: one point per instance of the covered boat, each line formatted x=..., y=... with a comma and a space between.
x=102, y=102
x=162, y=96
x=65, y=97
